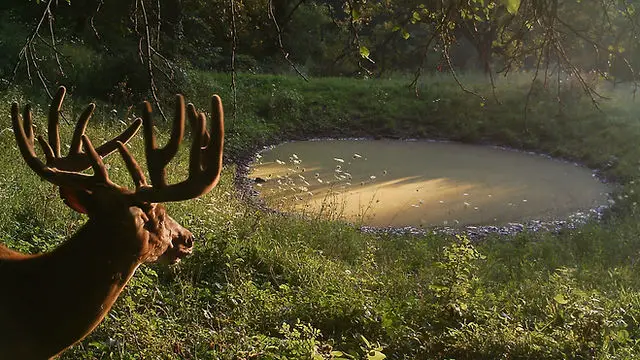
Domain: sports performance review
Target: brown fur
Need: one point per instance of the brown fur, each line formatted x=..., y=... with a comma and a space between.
x=51, y=301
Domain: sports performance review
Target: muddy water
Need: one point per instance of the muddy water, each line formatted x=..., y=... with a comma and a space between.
x=418, y=183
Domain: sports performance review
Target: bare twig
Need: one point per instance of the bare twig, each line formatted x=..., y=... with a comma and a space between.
x=418, y=72
x=234, y=44
x=26, y=48
x=53, y=48
x=29, y=55
x=493, y=86
x=285, y=54
x=159, y=24
x=149, y=60
x=533, y=82
x=93, y=26
x=455, y=76
x=436, y=31
x=287, y=18
x=53, y=40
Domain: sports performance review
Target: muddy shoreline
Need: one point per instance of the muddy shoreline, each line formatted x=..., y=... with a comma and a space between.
x=245, y=187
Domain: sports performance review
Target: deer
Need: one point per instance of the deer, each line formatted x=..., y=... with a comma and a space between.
x=53, y=300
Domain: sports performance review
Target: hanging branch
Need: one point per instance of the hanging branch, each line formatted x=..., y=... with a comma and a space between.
x=285, y=54
x=159, y=23
x=93, y=26
x=436, y=30
x=474, y=33
x=588, y=89
x=455, y=76
x=23, y=54
x=53, y=40
x=234, y=44
x=170, y=77
x=29, y=55
x=356, y=37
x=533, y=81
x=148, y=60
x=287, y=18
x=418, y=72
x=346, y=49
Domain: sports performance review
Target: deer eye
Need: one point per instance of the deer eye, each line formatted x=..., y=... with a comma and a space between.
x=152, y=224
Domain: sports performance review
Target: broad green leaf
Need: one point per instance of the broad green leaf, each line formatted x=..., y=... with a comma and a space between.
x=364, y=52
x=560, y=299
x=356, y=14
x=415, y=17
x=512, y=6
x=405, y=34
x=365, y=341
x=376, y=355
x=436, y=287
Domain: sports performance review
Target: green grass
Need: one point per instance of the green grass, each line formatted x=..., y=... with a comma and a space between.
x=262, y=285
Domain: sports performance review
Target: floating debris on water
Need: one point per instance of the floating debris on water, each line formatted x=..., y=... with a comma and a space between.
x=447, y=186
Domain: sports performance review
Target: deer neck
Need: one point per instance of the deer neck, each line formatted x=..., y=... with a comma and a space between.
x=66, y=293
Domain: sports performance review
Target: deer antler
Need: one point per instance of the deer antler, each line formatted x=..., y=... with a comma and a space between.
x=63, y=171
x=205, y=157
x=83, y=277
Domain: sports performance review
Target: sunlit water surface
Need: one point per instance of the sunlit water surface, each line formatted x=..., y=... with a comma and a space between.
x=419, y=183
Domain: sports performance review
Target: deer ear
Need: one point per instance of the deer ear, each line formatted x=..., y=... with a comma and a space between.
x=72, y=199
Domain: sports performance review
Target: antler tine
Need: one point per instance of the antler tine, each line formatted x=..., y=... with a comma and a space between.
x=24, y=137
x=205, y=161
x=134, y=169
x=99, y=170
x=81, y=127
x=23, y=132
x=54, y=121
x=65, y=171
x=198, y=123
x=76, y=159
x=216, y=143
x=157, y=159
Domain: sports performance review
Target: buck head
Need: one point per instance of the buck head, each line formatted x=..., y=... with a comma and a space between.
x=135, y=220
x=143, y=229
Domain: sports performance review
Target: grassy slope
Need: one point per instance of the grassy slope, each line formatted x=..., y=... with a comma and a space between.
x=261, y=285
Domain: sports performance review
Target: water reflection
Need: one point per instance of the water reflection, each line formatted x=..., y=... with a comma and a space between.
x=395, y=183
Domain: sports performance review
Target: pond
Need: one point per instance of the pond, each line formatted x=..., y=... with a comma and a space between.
x=421, y=183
